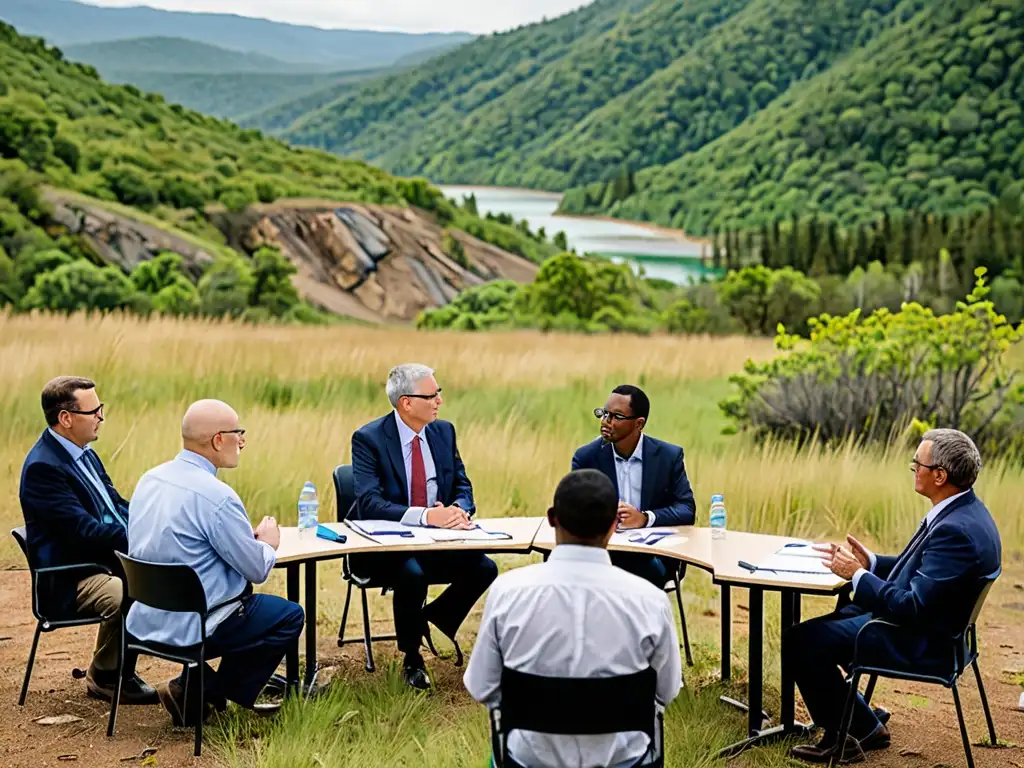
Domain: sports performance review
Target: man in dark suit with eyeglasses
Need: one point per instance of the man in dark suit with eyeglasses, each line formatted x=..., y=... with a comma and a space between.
x=648, y=474
x=406, y=468
x=75, y=516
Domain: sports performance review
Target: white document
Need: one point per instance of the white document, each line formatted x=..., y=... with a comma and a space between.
x=477, y=533
x=650, y=536
x=793, y=564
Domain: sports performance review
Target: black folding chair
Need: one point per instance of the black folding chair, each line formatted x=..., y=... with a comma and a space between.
x=577, y=706
x=963, y=652
x=676, y=586
x=346, y=495
x=168, y=588
x=44, y=619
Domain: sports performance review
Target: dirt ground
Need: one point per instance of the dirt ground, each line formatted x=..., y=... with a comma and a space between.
x=925, y=734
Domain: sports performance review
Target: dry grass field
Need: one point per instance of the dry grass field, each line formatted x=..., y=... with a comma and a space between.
x=522, y=402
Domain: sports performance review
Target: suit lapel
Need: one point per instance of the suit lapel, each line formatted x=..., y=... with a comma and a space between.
x=394, y=448
x=648, y=473
x=606, y=463
x=441, y=455
x=918, y=541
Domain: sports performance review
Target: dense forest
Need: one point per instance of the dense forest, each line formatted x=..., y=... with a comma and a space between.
x=710, y=114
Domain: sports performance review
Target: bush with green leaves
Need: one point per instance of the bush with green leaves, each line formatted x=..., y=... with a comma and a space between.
x=869, y=379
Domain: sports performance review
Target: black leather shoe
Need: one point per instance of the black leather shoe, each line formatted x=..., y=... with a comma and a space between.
x=134, y=690
x=824, y=751
x=417, y=677
x=877, y=739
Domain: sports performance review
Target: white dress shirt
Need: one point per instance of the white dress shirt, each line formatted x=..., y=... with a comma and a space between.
x=576, y=615
x=928, y=519
x=417, y=515
x=630, y=476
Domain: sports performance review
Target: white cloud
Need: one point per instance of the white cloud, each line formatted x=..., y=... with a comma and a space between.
x=477, y=16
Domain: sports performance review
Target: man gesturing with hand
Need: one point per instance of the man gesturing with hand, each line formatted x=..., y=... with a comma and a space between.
x=406, y=468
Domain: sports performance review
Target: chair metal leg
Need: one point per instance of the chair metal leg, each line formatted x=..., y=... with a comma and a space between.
x=344, y=616
x=117, y=686
x=682, y=621
x=202, y=704
x=870, y=690
x=984, y=703
x=31, y=662
x=963, y=726
x=367, y=640
x=847, y=718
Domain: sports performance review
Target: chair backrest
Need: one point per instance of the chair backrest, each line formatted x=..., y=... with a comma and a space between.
x=21, y=536
x=985, y=584
x=166, y=587
x=344, y=490
x=578, y=706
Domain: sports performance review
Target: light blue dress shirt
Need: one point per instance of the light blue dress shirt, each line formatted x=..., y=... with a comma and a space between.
x=417, y=515
x=181, y=513
x=928, y=519
x=78, y=457
x=630, y=476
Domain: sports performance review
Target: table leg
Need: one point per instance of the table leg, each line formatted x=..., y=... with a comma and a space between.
x=311, y=596
x=790, y=614
x=291, y=664
x=726, y=632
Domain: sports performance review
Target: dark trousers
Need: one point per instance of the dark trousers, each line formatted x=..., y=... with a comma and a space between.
x=468, y=575
x=813, y=651
x=650, y=567
x=250, y=644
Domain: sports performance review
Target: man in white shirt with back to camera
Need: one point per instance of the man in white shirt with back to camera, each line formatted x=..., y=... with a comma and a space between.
x=576, y=616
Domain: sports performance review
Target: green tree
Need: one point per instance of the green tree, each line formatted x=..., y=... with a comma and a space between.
x=80, y=285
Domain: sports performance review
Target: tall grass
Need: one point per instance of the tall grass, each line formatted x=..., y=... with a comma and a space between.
x=522, y=403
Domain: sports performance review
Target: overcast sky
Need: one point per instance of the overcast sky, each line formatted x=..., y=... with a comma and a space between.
x=477, y=16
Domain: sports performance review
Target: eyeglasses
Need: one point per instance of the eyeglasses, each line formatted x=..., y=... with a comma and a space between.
x=603, y=413
x=914, y=464
x=426, y=397
x=98, y=410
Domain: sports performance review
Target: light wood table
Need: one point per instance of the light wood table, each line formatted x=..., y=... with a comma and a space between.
x=308, y=550
x=753, y=548
x=689, y=544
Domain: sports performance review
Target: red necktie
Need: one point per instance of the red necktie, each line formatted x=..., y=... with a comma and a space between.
x=418, y=494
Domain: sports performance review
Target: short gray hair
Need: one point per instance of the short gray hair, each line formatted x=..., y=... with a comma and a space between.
x=956, y=453
x=402, y=380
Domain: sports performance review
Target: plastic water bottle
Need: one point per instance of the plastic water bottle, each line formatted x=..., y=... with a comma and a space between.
x=717, y=516
x=309, y=508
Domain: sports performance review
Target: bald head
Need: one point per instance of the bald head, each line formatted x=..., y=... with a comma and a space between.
x=210, y=428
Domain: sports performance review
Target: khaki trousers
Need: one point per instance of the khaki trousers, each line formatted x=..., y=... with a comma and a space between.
x=100, y=595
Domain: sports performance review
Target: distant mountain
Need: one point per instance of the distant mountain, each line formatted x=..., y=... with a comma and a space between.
x=171, y=55
x=63, y=23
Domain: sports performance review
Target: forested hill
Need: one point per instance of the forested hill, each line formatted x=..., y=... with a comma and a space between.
x=928, y=118
x=710, y=103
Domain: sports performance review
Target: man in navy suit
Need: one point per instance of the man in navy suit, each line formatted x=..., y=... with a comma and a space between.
x=406, y=468
x=930, y=590
x=75, y=516
x=648, y=474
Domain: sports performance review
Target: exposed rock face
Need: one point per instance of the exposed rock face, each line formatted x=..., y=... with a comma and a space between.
x=371, y=262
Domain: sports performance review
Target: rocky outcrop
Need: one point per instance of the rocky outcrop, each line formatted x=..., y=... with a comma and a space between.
x=370, y=262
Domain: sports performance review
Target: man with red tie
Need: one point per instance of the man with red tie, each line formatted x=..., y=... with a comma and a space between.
x=406, y=468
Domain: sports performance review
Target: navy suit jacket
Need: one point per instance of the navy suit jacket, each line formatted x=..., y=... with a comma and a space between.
x=932, y=587
x=665, y=489
x=378, y=470
x=64, y=517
